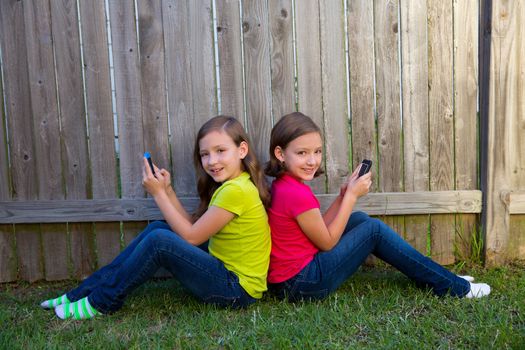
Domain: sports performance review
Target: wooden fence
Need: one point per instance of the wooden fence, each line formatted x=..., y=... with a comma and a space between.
x=88, y=86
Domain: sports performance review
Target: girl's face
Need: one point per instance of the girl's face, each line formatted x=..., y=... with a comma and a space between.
x=302, y=156
x=221, y=158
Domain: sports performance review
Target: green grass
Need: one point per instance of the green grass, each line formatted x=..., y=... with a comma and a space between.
x=377, y=308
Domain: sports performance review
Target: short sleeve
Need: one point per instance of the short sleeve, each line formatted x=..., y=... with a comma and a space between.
x=230, y=198
x=301, y=201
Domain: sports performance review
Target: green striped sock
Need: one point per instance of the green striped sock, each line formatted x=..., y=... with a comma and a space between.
x=79, y=310
x=52, y=303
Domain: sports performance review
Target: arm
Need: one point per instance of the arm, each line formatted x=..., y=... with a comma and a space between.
x=196, y=233
x=325, y=235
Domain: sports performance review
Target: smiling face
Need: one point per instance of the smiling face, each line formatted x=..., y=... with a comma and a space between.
x=221, y=158
x=302, y=156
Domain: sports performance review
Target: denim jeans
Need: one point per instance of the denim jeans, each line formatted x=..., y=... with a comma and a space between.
x=363, y=236
x=157, y=246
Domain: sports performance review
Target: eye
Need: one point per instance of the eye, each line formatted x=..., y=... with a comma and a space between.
x=319, y=151
x=204, y=154
x=301, y=153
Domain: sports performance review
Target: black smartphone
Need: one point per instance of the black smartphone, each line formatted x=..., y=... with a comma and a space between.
x=366, y=165
x=148, y=158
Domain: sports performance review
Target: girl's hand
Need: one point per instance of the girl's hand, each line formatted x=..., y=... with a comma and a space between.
x=357, y=186
x=155, y=184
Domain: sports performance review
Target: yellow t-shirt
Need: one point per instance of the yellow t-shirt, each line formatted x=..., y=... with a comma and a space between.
x=244, y=244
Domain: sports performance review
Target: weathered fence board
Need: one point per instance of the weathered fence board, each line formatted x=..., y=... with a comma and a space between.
x=130, y=114
x=388, y=109
x=362, y=94
x=7, y=238
x=101, y=131
x=441, y=121
x=309, y=74
x=256, y=39
x=384, y=203
x=504, y=103
x=414, y=78
x=466, y=18
x=230, y=58
x=282, y=63
x=335, y=106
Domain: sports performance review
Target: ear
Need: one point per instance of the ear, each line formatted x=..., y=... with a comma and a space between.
x=243, y=149
x=278, y=152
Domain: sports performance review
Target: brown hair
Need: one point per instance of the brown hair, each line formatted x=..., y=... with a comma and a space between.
x=287, y=129
x=206, y=186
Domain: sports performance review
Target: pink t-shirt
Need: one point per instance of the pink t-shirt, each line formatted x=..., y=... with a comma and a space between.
x=291, y=248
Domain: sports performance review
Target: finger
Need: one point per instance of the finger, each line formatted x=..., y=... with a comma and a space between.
x=157, y=170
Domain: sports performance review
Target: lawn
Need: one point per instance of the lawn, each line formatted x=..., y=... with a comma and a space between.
x=378, y=308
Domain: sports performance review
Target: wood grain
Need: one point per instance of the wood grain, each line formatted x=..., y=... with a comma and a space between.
x=256, y=39
x=103, y=165
x=309, y=74
x=230, y=58
x=335, y=106
x=282, y=62
x=466, y=29
x=19, y=122
x=414, y=80
x=386, y=203
x=441, y=122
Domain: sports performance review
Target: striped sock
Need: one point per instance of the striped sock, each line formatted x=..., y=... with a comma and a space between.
x=52, y=303
x=79, y=310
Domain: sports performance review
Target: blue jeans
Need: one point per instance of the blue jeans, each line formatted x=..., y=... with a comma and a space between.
x=363, y=236
x=157, y=246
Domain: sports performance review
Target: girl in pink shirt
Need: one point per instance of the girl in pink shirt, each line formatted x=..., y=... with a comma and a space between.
x=314, y=253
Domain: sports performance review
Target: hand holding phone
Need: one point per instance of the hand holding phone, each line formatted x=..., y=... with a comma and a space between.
x=148, y=158
x=366, y=165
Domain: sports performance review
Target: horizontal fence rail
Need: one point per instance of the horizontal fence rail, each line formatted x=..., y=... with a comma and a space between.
x=99, y=210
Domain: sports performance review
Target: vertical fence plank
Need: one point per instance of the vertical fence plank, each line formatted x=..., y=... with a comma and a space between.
x=180, y=94
x=129, y=105
x=46, y=131
x=230, y=58
x=362, y=94
x=128, y=100
x=309, y=75
x=390, y=152
x=505, y=142
x=153, y=80
x=414, y=76
x=73, y=127
x=100, y=122
x=7, y=238
x=335, y=107
x=517, y=137
x=190, y=73
x=466, y=14
x=155, y=116
x=256, y=37
x=441, y=121
x=281, y=30
x=19, y=123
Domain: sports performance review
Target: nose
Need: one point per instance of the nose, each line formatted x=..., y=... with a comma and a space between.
x=310, y=160
x=212, y=159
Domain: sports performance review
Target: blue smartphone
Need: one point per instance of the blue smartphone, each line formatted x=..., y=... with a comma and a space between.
x=148, y=158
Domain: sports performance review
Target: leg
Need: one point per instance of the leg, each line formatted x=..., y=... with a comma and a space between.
x=330, y=269
x=204, y=275
x=90, y=283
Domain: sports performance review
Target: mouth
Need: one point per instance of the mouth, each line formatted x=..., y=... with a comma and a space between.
x=309, y=171
x=215, y=171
